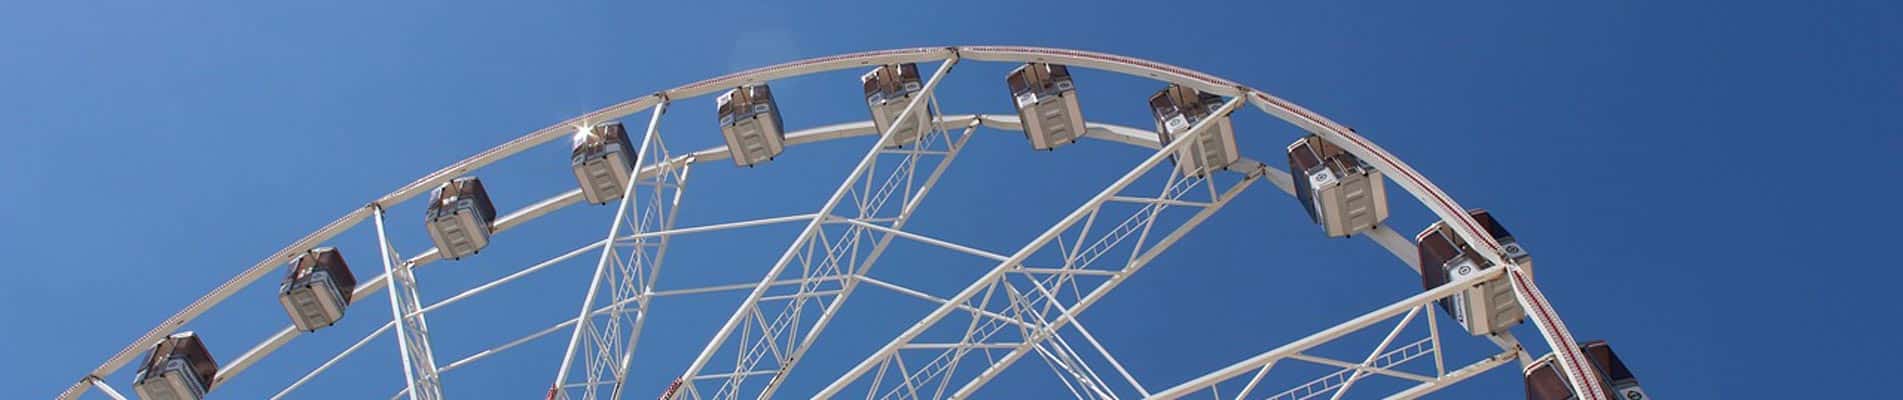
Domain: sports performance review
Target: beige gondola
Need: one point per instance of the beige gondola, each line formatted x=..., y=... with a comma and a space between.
x=316, y=288
x=178, y=368
x=1046, y=99
x=1545, y=382
x=1488, y=307
x=750, y=122
x=1340, y=192
x=460, y=218
x=603, y=159
x=1176, y=109
x=889, y=88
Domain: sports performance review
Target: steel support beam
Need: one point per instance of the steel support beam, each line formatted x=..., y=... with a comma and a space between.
x=782, y=330
x=412, y=331
x=1327, y=335
x=987, y=284
x=628, y=269
x=107, y=389
x=1069, y=314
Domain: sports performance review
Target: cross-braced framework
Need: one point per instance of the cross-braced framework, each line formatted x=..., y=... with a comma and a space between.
x=628, y=269
x=412, y=333
x=1036, y=301
x=1243, y=379
x=771, y=332
x=1029, y=304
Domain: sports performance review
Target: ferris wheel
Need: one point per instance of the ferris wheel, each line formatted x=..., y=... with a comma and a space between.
x=1027, y=305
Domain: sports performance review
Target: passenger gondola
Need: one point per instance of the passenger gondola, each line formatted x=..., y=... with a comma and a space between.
x=1545, y=382
x=1488, y=307
x=461, y=217
x=889, y=89
x=178, y=368
x=750, y=122
x=1046, y=99
x=603, y=158
x=1177, y=108
x=317, y=288
x=1340, y=192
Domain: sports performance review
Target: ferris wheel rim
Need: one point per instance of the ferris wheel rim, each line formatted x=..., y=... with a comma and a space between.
x=1423, y=189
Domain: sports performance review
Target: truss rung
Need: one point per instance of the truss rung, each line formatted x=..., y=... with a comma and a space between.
x=1168, y=202
x=806, y=295
x=943, y=346
x=919, y=152
x=1068, y=271
x=734, y=374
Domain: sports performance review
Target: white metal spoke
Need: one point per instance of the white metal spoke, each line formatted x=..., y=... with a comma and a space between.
x=1380, y=363
x=339, y=357
x=466, y=294
x=107, y=389
x=1361, y=370
x=821, y=253
x=1092, y=339
x=1074, y=260
x=627, y=271
x=419, y=363
x=1068, y=314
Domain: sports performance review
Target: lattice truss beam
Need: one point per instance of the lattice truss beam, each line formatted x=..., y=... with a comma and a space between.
x=775, y=326
x=1398, y=356
x=422, y=380
x=1020, y=308
x=604, y=338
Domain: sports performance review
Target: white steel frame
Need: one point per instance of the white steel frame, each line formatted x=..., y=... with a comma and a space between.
x=1036, y=306
x=412, y=331
x=609, y=348
x=1261, y=364
x=781, y=338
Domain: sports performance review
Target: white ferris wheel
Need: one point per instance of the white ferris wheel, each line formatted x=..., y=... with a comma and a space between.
x=1025, y=306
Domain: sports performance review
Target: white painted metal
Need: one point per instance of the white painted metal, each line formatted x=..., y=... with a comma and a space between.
x=334, y=359
x=1069, y=313
x=1456, y=376
x=107, y=389
x=412, y=331
x=1325, y=336
x=543, y=265
x=1547, y=320
x=629, y=269
x=1361, y=371
x=987, y=283
x=870, y=201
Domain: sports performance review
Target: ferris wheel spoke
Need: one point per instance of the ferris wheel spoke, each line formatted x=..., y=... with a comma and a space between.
x=1064, y=374
x=1067, y=314
x=980, y=331
x=1078, y=326
x=412, y=332
x=105, y=388
x=602, y=344
x=1380, y=361
x=1057, y=352
x=772, y=346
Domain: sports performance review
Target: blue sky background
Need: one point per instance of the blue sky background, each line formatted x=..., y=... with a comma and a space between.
x=1708, y=185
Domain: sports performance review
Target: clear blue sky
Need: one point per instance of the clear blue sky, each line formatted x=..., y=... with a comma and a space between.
x=1708, y=185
